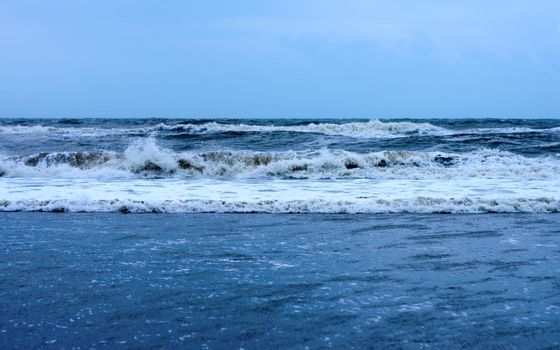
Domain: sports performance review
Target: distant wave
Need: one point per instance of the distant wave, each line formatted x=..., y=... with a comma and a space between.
x=74, y=131
x=21, y=129
x=144, y=158
x=370, y=129
x=416, y=205
x=373, y=128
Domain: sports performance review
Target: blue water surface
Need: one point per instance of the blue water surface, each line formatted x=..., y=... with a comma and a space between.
x=225, y=281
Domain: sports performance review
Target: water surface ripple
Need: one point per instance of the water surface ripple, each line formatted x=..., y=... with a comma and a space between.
x=279, y=281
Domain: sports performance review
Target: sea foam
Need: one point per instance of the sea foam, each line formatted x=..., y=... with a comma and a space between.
x=410, y=205
x=237, y=166
x=145, y=158
x=367, y=129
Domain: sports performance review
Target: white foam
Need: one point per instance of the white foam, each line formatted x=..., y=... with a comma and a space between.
x=373, y=128
x=145, y=158
x=281, y=196
x=146, y=151
x=68, y=131
x=21, y=129
x=414, y=205
x=369, y=129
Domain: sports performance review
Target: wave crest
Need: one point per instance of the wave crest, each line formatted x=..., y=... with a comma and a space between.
x=145, y=158
x=365, y=129
x=373, y=128
x=416, y=205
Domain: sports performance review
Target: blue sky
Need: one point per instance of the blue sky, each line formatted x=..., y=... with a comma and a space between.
x=370, y=59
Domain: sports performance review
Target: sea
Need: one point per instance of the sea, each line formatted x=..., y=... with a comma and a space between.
x=280, y=233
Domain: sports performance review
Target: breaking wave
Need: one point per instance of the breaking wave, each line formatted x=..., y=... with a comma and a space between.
x=373, y=128
x=145, y=158
x=416, y=205
x=369, y=129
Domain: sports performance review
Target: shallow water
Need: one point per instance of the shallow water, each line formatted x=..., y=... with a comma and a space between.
x=216, y=281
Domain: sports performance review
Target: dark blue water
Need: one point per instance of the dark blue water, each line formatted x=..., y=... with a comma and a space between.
x=224, y=281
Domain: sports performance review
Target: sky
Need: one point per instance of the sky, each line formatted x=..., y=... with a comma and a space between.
x=274, y=59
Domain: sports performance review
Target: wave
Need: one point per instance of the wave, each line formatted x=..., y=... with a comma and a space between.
x=373, y=128
x=416, y=205
x=18, y=130
x=144, y=158
x=370, y=129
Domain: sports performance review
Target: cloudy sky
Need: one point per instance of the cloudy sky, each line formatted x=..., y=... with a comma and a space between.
x=371, y=59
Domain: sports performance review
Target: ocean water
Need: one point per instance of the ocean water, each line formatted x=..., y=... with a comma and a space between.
x=280, y=166
x=291, y=234
x=289, y=281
